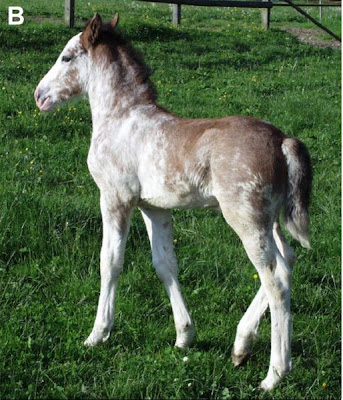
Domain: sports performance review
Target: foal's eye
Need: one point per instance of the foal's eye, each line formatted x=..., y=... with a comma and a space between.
x=66, y=58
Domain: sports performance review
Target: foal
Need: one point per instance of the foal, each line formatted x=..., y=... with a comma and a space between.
x=142, y=155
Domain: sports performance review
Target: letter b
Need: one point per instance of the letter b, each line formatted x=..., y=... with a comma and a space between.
x=15, y=15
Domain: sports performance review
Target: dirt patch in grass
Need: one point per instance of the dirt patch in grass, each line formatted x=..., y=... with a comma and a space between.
x=312, y=36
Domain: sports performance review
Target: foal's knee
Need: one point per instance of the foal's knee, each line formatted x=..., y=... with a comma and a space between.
x=165, y=267
x=111, y=265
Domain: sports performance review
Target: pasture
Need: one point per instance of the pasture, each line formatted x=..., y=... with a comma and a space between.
x=219, y=62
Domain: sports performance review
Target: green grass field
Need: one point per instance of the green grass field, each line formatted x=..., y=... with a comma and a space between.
x=219, y=62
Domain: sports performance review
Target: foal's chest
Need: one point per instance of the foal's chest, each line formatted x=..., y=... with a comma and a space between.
x=112, y=171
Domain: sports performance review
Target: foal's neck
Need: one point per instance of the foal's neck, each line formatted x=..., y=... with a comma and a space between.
x=118, y=83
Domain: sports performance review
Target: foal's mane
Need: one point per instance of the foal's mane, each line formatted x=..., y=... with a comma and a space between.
x=116, y=48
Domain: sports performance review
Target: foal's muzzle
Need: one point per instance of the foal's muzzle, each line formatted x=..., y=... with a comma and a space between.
x=43, y=101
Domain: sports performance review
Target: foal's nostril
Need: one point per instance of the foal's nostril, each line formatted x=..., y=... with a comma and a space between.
x=38, y=94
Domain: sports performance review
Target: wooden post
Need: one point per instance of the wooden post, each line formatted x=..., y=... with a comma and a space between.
x=265, y=15
x=69, y=12
x=176, y=14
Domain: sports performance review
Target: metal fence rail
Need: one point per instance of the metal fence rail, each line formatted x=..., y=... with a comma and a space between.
x=215, y=3
x=265, y=5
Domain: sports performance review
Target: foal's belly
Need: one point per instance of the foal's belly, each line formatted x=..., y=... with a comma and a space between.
x=178, y=196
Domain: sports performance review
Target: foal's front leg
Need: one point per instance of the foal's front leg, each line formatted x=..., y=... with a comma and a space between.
x=160, y=231
x=116, y=221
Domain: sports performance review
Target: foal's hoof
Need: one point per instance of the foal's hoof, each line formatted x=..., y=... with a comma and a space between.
x=95, y=338
x=273, y=377
x=185, y=338
x=240, y=359
x=268, y=384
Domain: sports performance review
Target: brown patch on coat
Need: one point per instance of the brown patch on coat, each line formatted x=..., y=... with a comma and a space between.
x=73, y=89
x=228, y=153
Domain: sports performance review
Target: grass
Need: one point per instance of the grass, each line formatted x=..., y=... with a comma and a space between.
x=219, y=62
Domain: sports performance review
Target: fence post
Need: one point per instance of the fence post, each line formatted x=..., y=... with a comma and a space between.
x=69, y=12
x=265, y=15
x=176, y=14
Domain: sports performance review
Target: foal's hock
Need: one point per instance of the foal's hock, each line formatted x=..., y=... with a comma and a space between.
x=142, y=155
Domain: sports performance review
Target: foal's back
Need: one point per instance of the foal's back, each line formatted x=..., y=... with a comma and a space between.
x=196, y=162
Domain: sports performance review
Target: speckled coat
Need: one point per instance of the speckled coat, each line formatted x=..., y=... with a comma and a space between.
x=143, y=155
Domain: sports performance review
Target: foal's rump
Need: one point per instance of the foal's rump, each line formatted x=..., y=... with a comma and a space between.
x=256, y=171
x=239, y=163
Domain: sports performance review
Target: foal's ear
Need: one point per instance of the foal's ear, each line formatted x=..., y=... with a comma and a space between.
x=114, y=22
x=91, y=33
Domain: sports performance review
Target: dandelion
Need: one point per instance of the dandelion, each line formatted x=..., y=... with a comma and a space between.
x=324, y=385
x=255, y=276
x=20, y=112
x=175, y=241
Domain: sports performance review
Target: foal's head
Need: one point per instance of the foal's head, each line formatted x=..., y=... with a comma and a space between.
x=70, y=74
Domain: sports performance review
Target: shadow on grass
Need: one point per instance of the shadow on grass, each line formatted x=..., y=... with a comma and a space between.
x=34, y=38
x=151, y=33
x=225, y=347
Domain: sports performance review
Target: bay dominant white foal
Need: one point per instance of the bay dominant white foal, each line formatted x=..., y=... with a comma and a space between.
x=142, y=155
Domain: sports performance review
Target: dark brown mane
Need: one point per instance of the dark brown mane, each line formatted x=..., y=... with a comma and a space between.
x=116, y=48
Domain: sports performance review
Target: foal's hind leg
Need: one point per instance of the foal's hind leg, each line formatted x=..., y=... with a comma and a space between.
x=160, y=231
x=248, y=326
x=260, y=246
x=265, y=256
x=284, y=248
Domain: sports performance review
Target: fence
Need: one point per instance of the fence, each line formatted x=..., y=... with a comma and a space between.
x=265, y=5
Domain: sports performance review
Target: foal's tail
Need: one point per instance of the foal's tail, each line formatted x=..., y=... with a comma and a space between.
x=299, y=190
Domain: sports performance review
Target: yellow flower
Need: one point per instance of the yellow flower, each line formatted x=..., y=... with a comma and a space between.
x=324, y=385
x=255, y=276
